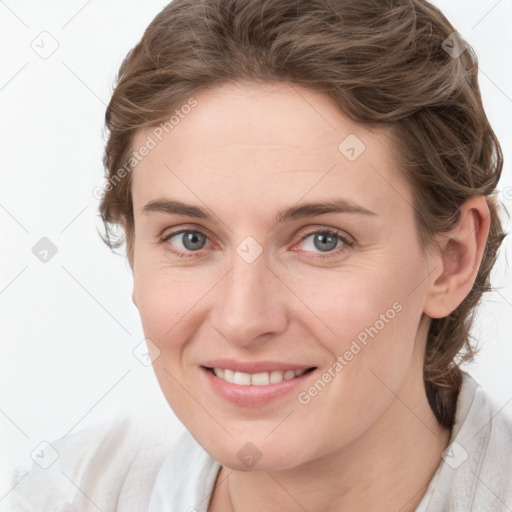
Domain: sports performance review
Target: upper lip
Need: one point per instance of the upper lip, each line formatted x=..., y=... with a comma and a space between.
x=253, y=366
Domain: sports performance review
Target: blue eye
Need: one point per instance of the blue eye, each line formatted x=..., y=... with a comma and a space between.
x=325, y=241
x=190, y=240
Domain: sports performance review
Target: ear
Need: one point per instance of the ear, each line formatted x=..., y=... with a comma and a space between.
x=461, y=253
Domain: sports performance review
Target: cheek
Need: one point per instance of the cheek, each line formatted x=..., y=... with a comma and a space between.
x=347, y=303
x=372, y=321
x=370, y=314
x=168, y=316
x=163, y=303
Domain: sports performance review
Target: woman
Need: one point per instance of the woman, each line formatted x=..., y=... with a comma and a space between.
x=306, y=191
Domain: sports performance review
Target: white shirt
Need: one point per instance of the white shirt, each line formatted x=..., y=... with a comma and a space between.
x=118, y=467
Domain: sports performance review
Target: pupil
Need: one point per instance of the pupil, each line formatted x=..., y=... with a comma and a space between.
x=193, y=240
x=325, y=242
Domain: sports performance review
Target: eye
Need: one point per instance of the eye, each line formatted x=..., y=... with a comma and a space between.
x=325, y=241
x=186, y=240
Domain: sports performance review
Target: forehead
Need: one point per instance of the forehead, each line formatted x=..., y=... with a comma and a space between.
x=271, y=142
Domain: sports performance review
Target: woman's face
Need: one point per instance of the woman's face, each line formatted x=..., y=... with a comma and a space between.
x=270, y=229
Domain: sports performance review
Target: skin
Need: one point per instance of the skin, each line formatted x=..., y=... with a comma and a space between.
x=368, y=440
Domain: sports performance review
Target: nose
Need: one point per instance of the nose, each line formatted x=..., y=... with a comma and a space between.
x=251, y=303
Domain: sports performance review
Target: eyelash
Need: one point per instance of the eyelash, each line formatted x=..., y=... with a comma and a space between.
x=347, y=243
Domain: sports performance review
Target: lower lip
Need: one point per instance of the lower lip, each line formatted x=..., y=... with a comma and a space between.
x=252, y=395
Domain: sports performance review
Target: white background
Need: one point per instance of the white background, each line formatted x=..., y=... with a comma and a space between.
x=68, y=326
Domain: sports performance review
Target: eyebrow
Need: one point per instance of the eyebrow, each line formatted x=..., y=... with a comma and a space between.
x=338, y=205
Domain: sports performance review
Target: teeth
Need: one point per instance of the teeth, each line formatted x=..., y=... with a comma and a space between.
x=256, y=379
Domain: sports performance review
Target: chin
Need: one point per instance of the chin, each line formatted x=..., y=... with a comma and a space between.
x=254, y=456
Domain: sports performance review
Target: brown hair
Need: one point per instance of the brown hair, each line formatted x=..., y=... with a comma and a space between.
x=383, y=62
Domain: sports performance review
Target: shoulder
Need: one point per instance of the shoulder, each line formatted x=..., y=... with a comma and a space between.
x=110, y=465
x=186, y=478
x=476, y=471
x=486, y=435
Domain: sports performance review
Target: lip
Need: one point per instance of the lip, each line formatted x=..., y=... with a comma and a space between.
x=253, y=366
x=251, y=395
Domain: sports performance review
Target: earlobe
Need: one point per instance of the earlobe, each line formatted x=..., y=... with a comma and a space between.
x=460, y=256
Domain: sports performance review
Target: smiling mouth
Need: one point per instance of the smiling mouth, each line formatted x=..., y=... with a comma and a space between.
x=257, y=379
